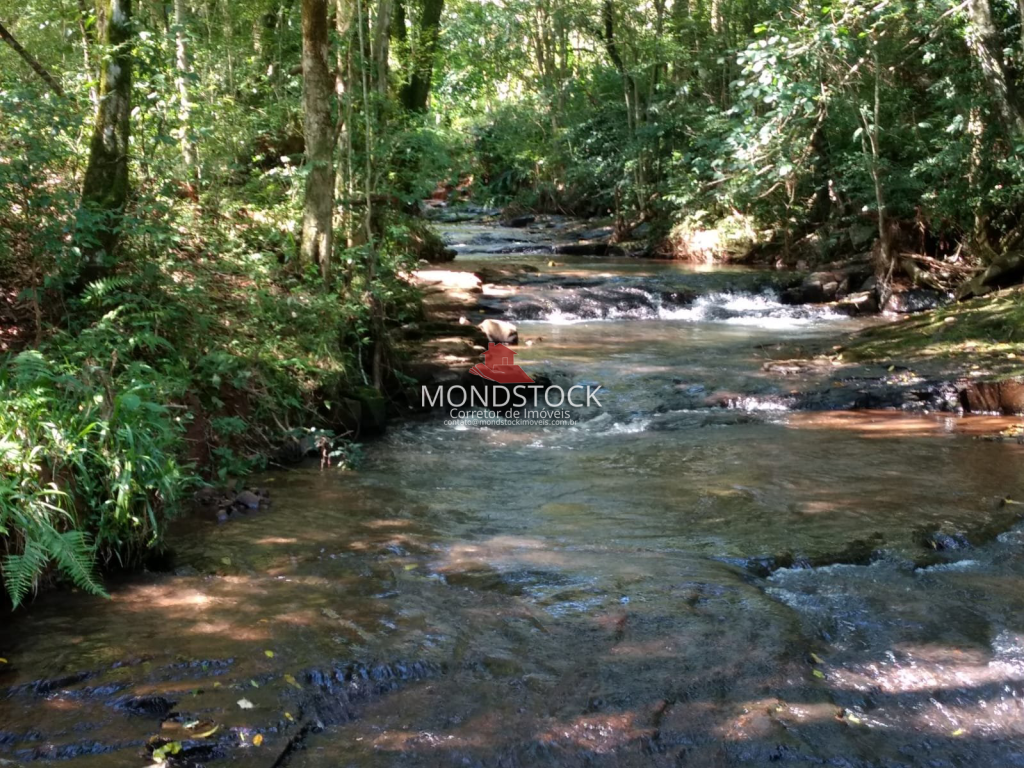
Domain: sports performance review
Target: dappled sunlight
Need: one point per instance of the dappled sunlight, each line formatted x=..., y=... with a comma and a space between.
x=236, y=631
x=927, y=668
x=642, y=649
x=599, y=733
x=279, y=540
x=887, y=424
x=764, y=539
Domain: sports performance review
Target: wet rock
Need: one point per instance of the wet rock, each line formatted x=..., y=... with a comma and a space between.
x=827, y=285
x=1005, y=397
x=678, y=298
x=519, y=221
x=600, y=233
x=857, y=552
x=145, y=706
x=588, y=249
x=945, y=542
x=914, y=300
x=506, y=274
x=767, y=565
x=859, y=303
x=45, y=687
x=500, y=331
x=889, y=392
x=248, y=499
x=334, y=691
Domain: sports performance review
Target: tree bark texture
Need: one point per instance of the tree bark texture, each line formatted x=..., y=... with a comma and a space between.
x=317, y=86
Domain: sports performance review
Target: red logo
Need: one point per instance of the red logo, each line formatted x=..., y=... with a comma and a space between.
x=499, y=366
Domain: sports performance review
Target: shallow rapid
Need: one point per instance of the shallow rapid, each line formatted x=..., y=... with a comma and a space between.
x=691, y=574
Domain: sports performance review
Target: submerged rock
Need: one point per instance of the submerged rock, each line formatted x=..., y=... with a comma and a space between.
x=945, y=542
x=146, y=706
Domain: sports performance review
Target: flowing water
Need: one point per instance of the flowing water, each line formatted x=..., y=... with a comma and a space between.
x=689, y=575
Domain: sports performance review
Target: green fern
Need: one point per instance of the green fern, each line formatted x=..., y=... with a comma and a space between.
x=75, y=556
x=99, y=289
x=30, y=368
x=21, y=572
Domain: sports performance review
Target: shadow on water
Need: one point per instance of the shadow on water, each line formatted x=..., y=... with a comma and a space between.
x=636, y=589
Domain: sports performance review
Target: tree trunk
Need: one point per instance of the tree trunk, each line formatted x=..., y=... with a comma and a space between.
x=382, y=36
x=317, y=84
x=886, y=263
x=1020, y=22
x=988, y=50
x=821, y=203
x=188, y=154
x=415, y=93
x=105, y=188
x=29, y=59
x=88, y=42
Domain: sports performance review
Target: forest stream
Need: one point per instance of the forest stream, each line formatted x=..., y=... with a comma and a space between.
x=691, y=574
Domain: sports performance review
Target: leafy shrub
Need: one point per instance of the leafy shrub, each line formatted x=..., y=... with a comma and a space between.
x=88, y=462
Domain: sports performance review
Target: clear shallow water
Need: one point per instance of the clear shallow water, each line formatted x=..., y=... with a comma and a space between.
x=598, y=595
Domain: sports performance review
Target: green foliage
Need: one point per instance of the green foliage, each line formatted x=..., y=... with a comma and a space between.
x=207, y=341
x=761, y=111
x=87, y=461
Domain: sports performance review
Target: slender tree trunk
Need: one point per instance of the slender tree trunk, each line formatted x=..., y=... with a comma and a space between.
x=415, y=93
x=1020, y=22
x=400, y=37
x=318, y=213
x=612, y=47
x=29, y=59
x=88, y=42
x=343, y=126
x=229, y=44
x=821, y=204
x=188, y=153
x=886, y=262
x=105, y=187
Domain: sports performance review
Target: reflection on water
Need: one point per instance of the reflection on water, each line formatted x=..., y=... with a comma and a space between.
x=665, y=583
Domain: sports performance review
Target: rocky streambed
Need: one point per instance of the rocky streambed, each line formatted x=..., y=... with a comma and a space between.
x=743, y=556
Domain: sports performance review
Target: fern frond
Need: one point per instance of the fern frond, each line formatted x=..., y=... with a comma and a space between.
x=74, y=554
x=21, y=572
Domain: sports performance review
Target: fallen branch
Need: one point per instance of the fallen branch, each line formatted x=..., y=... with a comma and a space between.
x=936, y=263
x=29, y=59
x=921, y=276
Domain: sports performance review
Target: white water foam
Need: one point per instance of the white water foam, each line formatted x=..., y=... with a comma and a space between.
x=761, y=310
